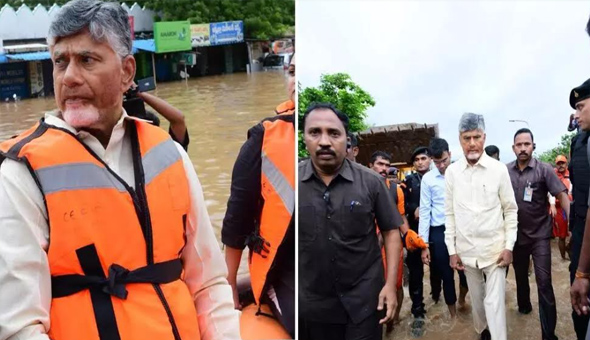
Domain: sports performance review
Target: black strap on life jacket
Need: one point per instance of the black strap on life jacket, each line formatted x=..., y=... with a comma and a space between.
x=102, y=287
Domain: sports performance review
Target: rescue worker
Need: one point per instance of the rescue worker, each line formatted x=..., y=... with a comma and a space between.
x=131, y=252
x=260, y=214
x=579, y=169
x=381, y=164
x=352, y=147
x=560, y=221
x=411, y=187
x=288, y=107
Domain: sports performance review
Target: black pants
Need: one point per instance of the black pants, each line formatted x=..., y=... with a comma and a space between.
x=416, y=285
x=580, y=321
x=368, y=329
x=541, y=252
x=440, y=264
x=283, y=307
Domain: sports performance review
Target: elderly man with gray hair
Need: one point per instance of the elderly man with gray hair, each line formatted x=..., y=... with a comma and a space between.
x=481, y=217
x=104, y=229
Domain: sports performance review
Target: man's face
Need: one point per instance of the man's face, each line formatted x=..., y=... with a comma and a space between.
x=291, y=80
x=89, y=80
x=472, y=143
x=352, y=153
x=422, y=163
x=443, y=162
x=325, y=139
x=583, y=112
x=523, y=147
x=561, y=166
x=381, y=166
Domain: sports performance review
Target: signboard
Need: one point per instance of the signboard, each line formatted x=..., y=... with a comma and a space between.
x=132, y=26
x=36, y=78
x=200, y=35
x=172, y=36
x=190, y=58
x=227, y=32
x=13, y=81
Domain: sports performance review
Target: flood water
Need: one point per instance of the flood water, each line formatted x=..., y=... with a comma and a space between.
x=219, y=110
x=520, y=327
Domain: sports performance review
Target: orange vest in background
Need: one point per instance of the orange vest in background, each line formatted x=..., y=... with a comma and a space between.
x=287, y=107
x=114, y=251
x=278, y=192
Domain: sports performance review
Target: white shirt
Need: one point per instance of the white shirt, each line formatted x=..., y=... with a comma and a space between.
x=25, y=280
x=432, y=202
x=480, y=210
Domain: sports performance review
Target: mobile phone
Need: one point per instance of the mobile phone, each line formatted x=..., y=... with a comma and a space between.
x=146, y=84
x=382, y=313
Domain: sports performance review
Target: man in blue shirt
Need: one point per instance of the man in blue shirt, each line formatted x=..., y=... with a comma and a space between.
x=432, y=225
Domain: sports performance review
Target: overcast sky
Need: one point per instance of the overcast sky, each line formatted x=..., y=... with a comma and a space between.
x=431, y=61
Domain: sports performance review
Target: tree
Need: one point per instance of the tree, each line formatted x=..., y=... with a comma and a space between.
x=341, y=91
x=563, y=148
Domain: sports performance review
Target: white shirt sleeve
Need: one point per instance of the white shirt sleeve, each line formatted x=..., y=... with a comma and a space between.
x=25, y=280
x=509, y=208
x=425, y=208
x=450, y=226
x=205, y=269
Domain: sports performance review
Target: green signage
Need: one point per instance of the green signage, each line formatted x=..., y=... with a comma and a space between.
x=172, y=36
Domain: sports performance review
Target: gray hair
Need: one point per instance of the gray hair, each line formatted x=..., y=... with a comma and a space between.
x=105, y=21
x=471, y=121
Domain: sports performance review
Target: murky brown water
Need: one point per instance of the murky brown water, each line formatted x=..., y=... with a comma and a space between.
x=522, y=327
x=219, y=110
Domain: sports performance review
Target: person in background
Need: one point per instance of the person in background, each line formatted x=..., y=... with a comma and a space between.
x=342, y=291
x=393, y=175
x=493, y=151
x=260, y=215
x=380, y=163
x=560, y=221
x=352, y=147
x=432, y=225
x=532, y=180
x=481, y=226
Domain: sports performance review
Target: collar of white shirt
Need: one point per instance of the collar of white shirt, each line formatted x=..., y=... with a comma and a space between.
x=484, y=162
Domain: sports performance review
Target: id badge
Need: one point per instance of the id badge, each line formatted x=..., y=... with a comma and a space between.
x=528, y=194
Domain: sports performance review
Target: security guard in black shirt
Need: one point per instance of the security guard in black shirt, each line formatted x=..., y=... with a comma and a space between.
x=421, y=159
x=580, y=177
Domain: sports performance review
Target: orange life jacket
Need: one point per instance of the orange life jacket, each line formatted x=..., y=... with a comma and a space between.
x=114, y=251
x=565, y=179
x=287, y=107
x=278, y=192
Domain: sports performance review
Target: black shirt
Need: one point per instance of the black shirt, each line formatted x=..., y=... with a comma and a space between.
x=411, y=190
x=245, y=206
x=340, y=266
x=579, y=174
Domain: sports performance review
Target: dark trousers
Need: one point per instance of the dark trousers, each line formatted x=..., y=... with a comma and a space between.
x=368, y=329
x=285, y=298
x=435, y=284
x=415, y=284
x=580, y=321
x=439, y=264
x=541, y=252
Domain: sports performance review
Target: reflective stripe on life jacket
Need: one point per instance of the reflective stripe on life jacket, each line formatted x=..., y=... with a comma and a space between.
x=278, y=192
x=114, y=250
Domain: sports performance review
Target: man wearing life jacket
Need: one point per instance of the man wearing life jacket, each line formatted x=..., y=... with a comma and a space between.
x=105, y=233
x=260, y=214
x=380, y=163
x=560, y=223
x=288, y=107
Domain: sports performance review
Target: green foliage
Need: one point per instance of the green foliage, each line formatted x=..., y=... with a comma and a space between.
x=563, y=148
x=263, y=19
x=340, y=90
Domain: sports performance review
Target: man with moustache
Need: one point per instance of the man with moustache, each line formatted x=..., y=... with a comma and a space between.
x=481, y=222
x=432, y=225
x=560, y=221
x=579, y=223
x=131, y=252
x=342, y=291
x=532, y=180
x=381, y=164
x=411, y=185
x=260, y=211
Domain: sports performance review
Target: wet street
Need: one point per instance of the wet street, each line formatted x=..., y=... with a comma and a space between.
x=219, y=110
x=520, y=327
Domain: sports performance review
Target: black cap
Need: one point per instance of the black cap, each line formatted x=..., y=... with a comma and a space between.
x=419, y=151
x=580, y=93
